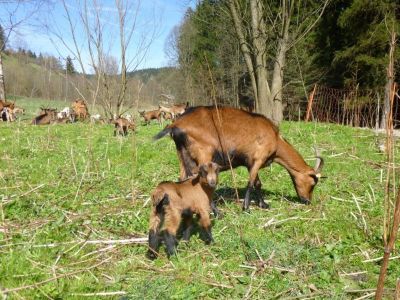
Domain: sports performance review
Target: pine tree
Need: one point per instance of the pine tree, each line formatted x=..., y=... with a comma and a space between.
x=70, y=66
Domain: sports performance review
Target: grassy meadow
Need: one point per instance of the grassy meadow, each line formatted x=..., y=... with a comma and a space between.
x=71, y=194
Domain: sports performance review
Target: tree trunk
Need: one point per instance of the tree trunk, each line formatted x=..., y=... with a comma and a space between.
x=258, y=39
x=390, y=80
x=2, y=84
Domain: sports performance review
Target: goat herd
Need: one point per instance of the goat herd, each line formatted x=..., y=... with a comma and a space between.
x=208, y=140
x=79, y=112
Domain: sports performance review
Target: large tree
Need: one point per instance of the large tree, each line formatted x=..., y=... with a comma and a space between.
x=266, y=31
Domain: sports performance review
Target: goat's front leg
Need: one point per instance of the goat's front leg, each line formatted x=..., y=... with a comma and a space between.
x=252, y=183
x=205, y=224
x=188, y=225
x=259, y=198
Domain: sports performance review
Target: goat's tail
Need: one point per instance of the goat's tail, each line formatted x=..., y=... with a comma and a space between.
x=162, y=133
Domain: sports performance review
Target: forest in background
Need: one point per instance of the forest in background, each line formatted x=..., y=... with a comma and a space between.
x=344, y=44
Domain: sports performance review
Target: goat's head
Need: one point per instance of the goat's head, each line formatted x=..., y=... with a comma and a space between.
x=208, y=174
x=305, y=183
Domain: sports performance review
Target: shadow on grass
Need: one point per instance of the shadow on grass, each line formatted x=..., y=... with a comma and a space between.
x=229, y=195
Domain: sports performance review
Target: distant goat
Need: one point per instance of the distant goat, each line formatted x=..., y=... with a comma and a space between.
x=80, y=109
x=47, y=116
x=122, y=126
x=166, y=116
x=175, y=110
x=233, y=136
x=95, y=118
x=7, y=114
x=174, y=201
x=151, y=115
x=128, y=117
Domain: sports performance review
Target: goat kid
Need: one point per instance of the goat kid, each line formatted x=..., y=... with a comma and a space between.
x=174, y=201
x=122, y=126
x=232, y=136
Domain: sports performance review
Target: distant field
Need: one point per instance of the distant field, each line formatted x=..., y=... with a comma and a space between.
x=65, y=189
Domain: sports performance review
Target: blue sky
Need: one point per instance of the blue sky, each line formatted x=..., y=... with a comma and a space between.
x=155, y=20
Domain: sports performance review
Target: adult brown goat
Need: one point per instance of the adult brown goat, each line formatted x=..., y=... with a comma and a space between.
x=174, y=201
x=233, y=136
x=47, y=116
x=151, y=115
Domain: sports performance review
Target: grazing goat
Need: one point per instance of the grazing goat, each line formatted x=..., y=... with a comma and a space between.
x=175, y=110
x=151, y=115
x=174, y=201
x=122, y=126
x=47, y=116
x=230, y=136
x=80, y=109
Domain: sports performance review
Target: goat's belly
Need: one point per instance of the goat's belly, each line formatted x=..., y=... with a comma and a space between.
x=235, y=159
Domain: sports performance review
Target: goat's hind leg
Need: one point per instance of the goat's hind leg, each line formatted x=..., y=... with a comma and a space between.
x=259, y=197
x=254, y=181
x=172, y=222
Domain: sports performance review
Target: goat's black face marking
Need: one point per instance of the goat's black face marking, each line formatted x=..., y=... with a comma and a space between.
x=315, y=177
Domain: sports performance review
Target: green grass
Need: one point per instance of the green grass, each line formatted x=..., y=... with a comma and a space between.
x=64, y=184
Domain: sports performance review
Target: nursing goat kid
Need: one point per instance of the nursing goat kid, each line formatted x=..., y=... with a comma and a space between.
x=230, y=136
x=174, y=201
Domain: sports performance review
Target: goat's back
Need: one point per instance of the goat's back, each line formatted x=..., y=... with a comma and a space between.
x=184, y=194
x=226, y=129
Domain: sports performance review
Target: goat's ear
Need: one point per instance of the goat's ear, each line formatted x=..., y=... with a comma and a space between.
x=216, y=166
x=203, y=171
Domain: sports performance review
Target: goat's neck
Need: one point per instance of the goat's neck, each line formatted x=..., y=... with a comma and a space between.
x=290, y=159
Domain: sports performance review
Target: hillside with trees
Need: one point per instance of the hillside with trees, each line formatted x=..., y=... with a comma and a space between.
x=232, y=52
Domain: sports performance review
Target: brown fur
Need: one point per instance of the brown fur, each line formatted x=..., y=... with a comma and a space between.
x=47, y=116
x=151, y=115
x=122, y=126
x=174, y=201
x=167, y=116
x=175, y=110
x=250, y=139
x=4, y=103
x=80, y=109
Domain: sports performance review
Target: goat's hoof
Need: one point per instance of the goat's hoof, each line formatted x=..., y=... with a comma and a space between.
x=263, y=205
x=151, y=255
x=209, y=241
x=246, y=209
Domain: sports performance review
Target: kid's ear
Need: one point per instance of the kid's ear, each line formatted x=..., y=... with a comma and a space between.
x=216, y=166
x=203, y=170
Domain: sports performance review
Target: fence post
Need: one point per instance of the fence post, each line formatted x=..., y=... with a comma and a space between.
x=310, y=101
